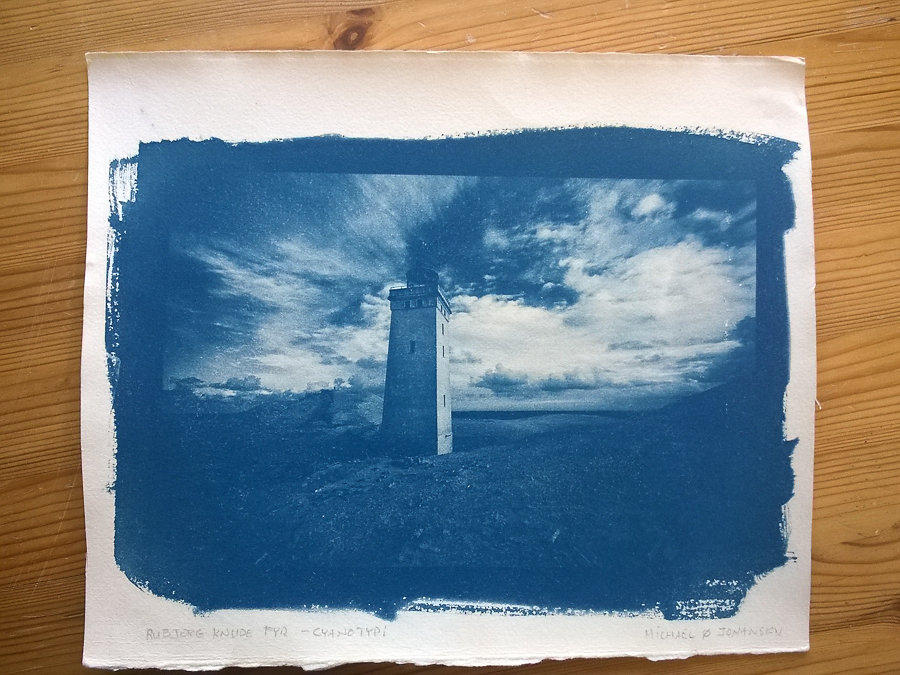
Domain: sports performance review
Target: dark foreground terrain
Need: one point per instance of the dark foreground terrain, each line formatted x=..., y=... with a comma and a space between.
x=264, y=508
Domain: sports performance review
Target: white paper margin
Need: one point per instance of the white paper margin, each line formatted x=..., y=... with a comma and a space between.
x=259, y=96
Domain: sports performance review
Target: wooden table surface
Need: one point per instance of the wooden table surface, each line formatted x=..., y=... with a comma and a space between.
x=853, y=88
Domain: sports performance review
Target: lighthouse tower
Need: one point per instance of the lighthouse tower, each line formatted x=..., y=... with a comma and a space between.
x=416, y=418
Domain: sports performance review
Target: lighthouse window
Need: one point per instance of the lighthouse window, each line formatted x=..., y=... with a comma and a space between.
x=412, y=346
x=445, y=400
x=442, y=351
x=442, y=329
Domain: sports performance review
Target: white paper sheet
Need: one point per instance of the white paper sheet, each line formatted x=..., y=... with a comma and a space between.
x=148, y=604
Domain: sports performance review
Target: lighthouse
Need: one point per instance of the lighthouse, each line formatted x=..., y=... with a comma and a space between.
x=416, y=417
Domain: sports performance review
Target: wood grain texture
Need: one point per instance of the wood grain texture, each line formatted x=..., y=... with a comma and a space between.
x=853, y=89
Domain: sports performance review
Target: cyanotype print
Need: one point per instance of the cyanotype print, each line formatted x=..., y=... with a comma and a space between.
x=534, y=372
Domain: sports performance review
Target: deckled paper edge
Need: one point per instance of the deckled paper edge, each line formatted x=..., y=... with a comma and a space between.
x=147, y=111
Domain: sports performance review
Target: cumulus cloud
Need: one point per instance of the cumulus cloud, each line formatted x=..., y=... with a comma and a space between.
x=652, y=204
x=628, y=324
x=500, y=380
x=655, y=306
x=567, y=382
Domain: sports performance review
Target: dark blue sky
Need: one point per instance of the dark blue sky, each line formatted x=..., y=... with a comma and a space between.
x=567, y=293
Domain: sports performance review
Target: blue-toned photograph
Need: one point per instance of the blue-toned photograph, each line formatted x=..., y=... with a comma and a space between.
x=536, y=372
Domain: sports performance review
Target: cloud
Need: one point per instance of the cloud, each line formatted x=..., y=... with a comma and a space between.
x=652, y=302
x=581, y=292
x=526, y=339
x=499, y=380
x=495, y=239
x=652, y=204
x=458, y=356
x=246, y=383
x=567, y=382
x=680, y=294
x=504, y=382
x=301, y=304
x=720, y=219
